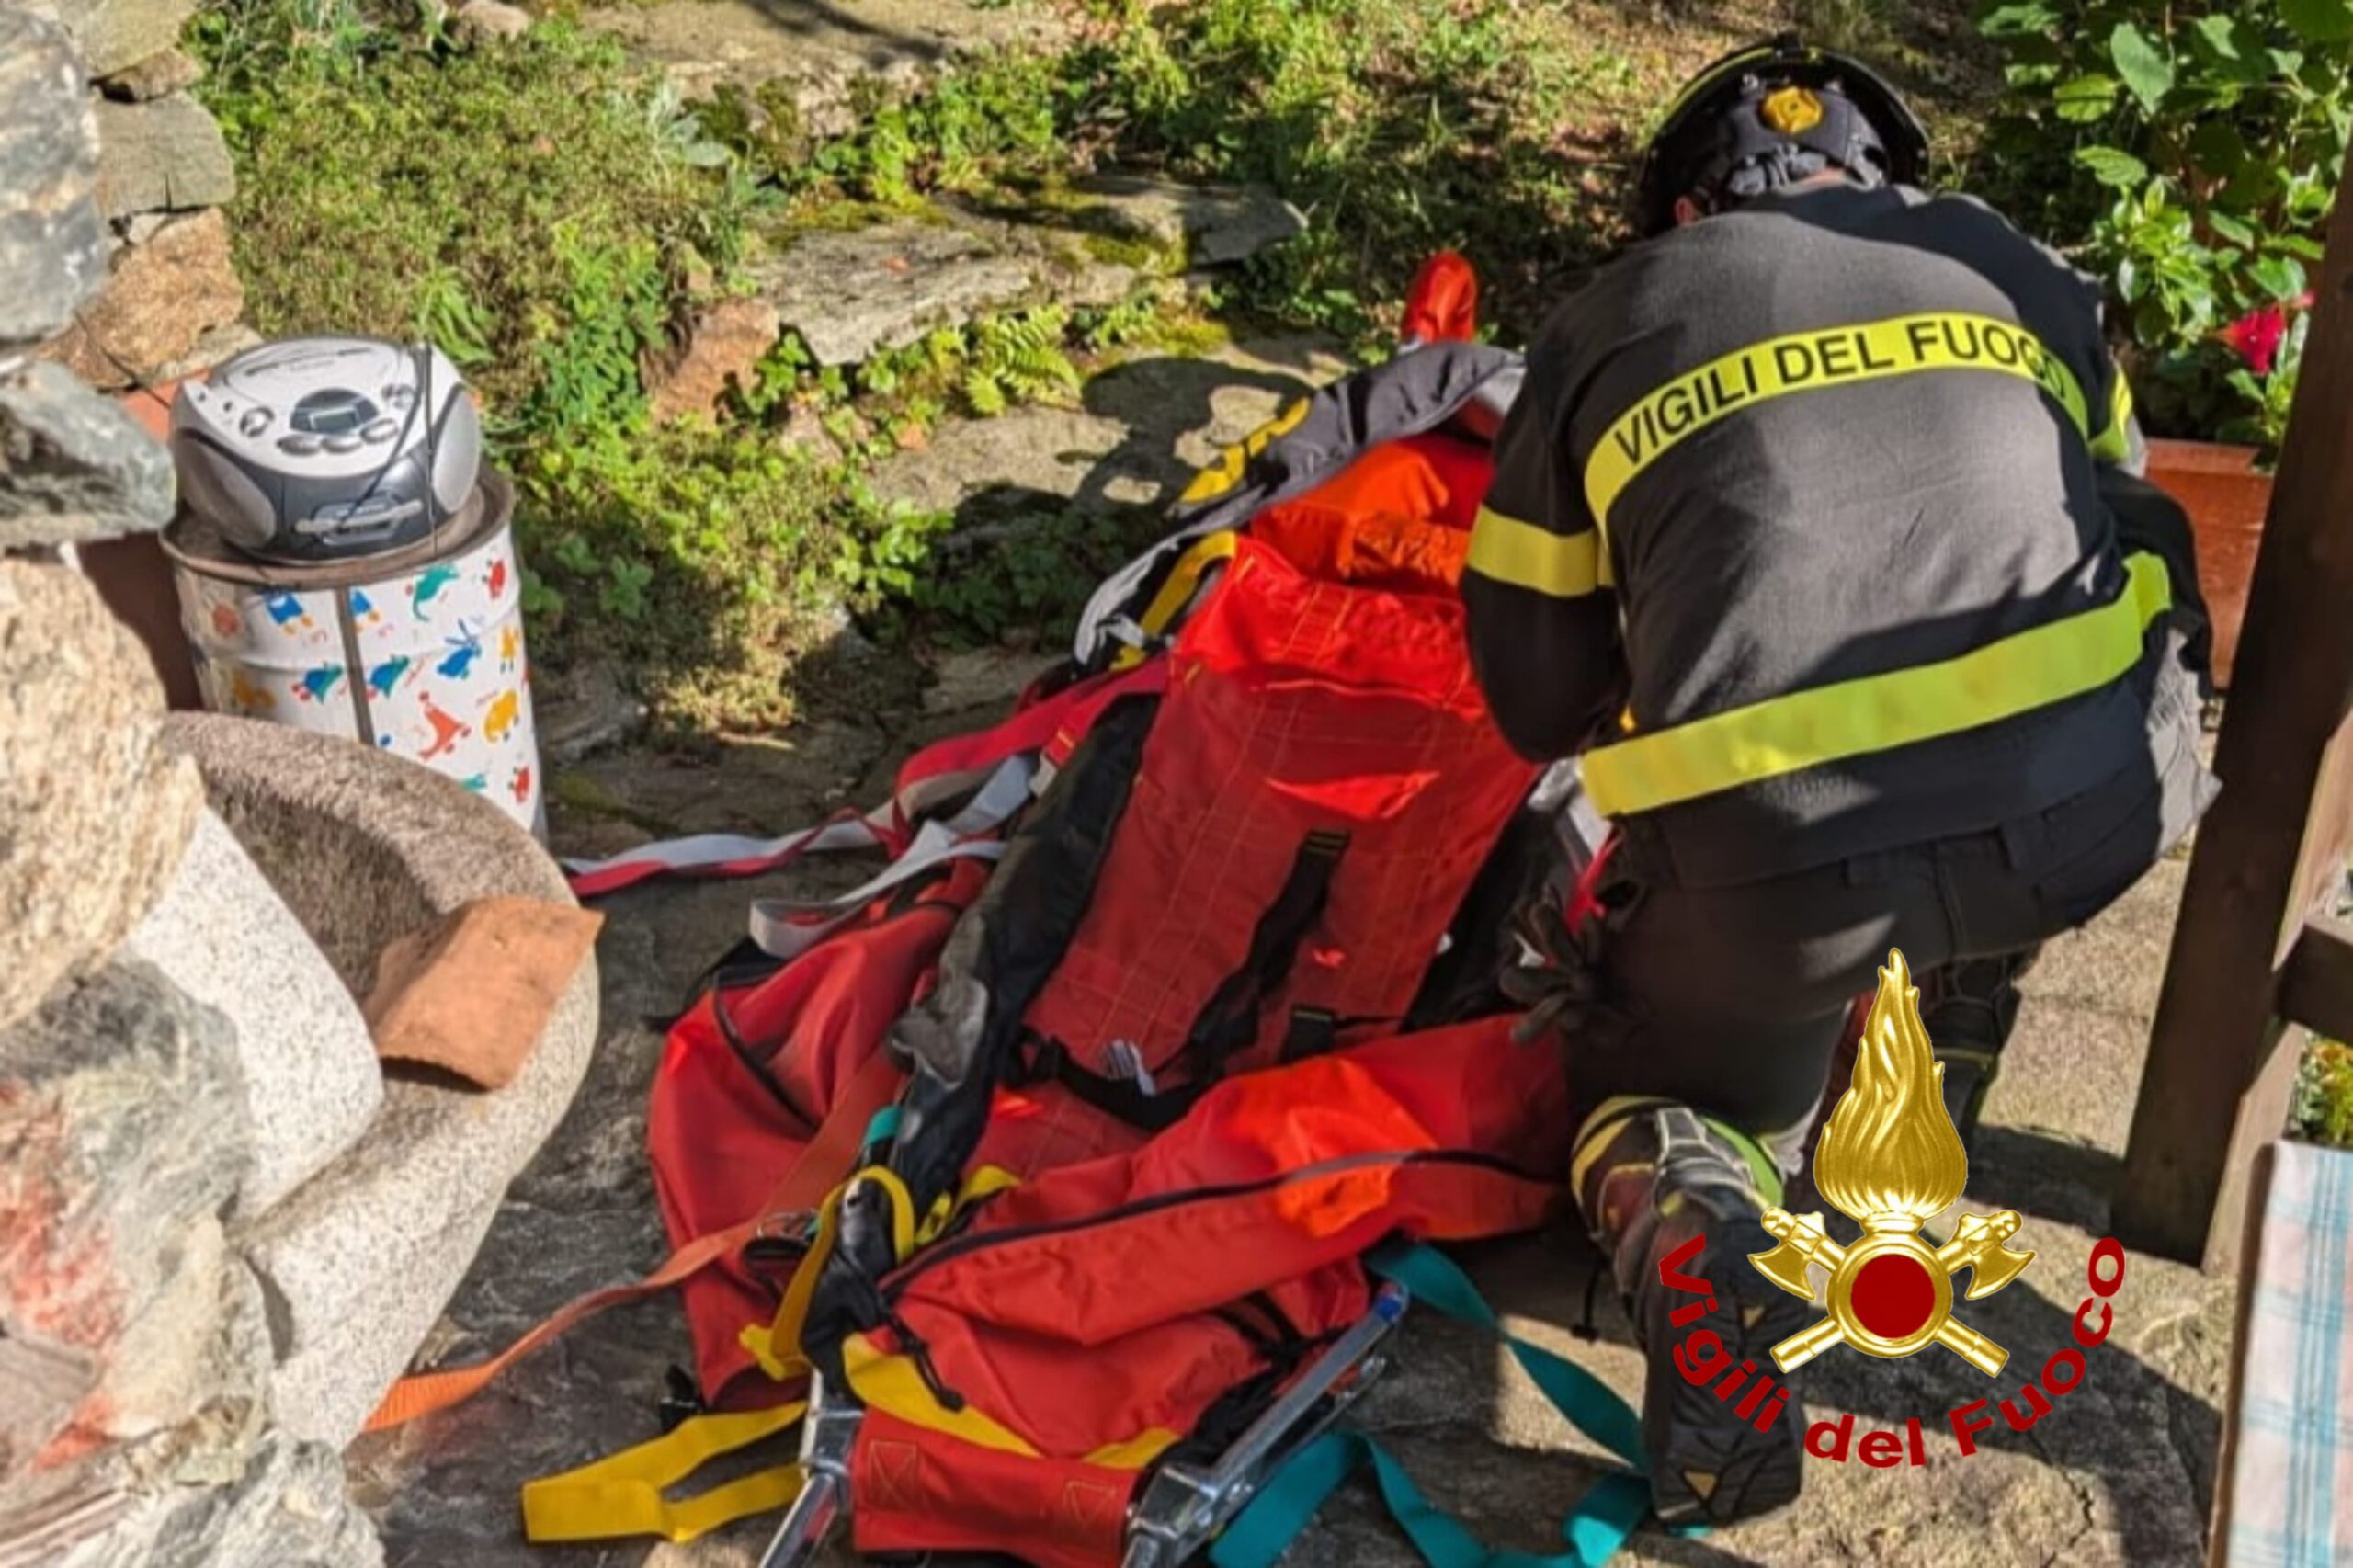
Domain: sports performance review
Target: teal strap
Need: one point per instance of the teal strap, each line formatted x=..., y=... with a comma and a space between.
x=884, y=1126
x=1289, y=1501
x=1598, y=1524
x=1595, y=1528
x=1591, y=1405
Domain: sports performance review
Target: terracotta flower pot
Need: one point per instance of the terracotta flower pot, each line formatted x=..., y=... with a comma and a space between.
x=2226, y=497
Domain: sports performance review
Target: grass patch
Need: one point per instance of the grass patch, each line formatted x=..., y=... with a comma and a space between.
x=546, y=214
x=496, y=200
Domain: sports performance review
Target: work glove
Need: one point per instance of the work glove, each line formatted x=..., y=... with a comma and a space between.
x=1552, y=969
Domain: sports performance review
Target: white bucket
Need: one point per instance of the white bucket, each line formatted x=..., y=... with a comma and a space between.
x=419, y=652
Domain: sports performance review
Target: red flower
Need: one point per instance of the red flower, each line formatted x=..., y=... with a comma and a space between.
x=2256, y=336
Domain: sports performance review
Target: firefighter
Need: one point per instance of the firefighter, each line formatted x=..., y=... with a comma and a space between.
x=1817, y=531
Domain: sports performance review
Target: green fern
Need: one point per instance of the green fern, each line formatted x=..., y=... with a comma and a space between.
x=984, y=393
x=1020, y=358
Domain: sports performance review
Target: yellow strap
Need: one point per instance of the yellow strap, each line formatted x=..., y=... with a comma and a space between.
x=1804, y=361
x=2114, y=445
x=622, y=1494
x=894, y=1385
x=1226, y=472
x=986, y=1182
x=777, y=1345
x=1136, y=1453
x=1565, y=567
x=1805, y=728
x=1174, y=594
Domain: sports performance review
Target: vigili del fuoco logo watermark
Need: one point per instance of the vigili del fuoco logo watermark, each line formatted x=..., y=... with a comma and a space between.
x=1890, y=1159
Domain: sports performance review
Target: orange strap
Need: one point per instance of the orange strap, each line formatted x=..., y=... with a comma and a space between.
x=824, y=1161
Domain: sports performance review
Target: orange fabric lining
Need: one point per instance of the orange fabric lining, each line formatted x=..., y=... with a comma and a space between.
x=1398, y=518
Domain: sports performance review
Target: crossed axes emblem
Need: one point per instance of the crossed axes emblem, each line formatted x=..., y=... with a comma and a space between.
x=1902, y=1280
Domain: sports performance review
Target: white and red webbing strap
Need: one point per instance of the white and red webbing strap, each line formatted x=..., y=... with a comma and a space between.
x=939, y=772
x=729, y=854
x=786, y=928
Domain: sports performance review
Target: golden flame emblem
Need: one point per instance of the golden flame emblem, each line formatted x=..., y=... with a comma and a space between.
x=1891, y=1161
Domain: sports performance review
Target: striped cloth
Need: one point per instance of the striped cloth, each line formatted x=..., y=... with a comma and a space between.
x=2288, y=1498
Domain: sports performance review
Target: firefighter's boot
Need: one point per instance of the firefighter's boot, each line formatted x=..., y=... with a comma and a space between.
x=1969, y=1008
x=1650, y=1178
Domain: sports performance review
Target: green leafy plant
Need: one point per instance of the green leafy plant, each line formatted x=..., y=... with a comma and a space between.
x=2322, y=1107
x=1398, y=128
x=387, y=187
x=612, y=308
x=709, y=560
x=2190, y=153
x=1019, y=358
x=1023, y=571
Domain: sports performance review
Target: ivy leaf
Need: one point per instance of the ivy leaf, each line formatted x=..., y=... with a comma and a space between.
x=2231, y=228
x=2220, y=35
x=2281, y=277
x=2026, y=17
x=2085, y=98
x=2319, y=21
x=2144, y=68
x=2113, y=166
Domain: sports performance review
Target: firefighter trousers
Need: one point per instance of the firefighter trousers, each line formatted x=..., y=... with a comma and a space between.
x=1732, y=1000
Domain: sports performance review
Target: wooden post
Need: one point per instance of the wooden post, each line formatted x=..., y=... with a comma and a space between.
x=2248, y=970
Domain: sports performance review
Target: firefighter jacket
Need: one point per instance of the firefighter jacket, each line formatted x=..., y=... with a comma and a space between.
x=1818, y=523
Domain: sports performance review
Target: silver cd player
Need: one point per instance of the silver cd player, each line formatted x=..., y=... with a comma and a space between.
x=320, y=449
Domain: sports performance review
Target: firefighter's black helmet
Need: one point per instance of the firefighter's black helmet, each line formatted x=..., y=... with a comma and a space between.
x=1767, y=100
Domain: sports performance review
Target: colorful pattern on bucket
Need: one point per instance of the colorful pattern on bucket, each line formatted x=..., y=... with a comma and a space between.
x=441, y=678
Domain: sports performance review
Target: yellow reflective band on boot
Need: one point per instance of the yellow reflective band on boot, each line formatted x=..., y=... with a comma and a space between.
x=1808, y=362
x=622, y=1494
x=1761, y=1168
x=1805, y=728
x=1565, y=567
x=1600, y=1126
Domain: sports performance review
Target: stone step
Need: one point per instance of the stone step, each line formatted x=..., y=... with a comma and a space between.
x=805, y=59
x=1141, y=429
x=851, y=293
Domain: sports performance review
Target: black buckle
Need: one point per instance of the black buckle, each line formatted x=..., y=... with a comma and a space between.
x=781, y=1242
x=681, y=1399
